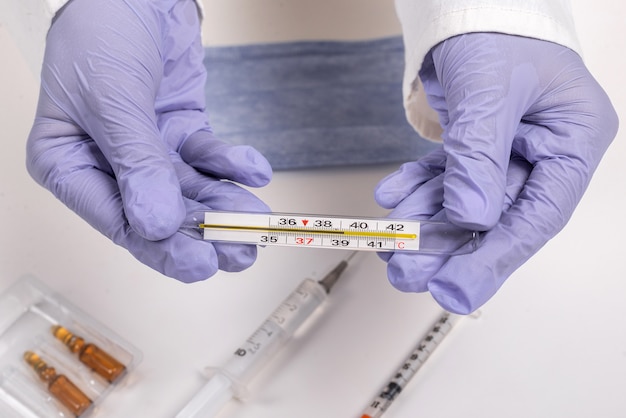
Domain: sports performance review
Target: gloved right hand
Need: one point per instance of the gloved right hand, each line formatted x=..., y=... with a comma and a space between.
x=121, y=137
x=525, y=125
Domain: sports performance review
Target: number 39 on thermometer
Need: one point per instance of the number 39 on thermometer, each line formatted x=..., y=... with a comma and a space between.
x=327, y=231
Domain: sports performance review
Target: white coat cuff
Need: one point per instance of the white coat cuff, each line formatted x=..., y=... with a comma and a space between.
x=427, y=23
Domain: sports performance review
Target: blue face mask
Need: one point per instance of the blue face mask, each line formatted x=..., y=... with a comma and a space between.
x=313, y=104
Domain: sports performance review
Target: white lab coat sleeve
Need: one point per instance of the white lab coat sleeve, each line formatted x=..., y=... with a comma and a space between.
x=425, y=23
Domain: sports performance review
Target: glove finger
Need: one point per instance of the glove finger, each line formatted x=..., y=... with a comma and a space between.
x=213, y=193
x=414, y=272
x=85, y=184
x=391, y=190
x=415, y=191
x=467, y=281
x=219, y=195
x=423, y=203
x=485, y=100
x=240, y=163
x=178, y=256
x=516, y=177
x=108, y=89
x=540, y=212
x=411, y=272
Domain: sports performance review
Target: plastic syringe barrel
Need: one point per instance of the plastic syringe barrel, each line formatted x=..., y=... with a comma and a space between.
x=230, y=380
x=275, y=331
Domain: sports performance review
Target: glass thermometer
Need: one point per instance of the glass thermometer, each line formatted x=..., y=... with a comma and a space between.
x=333, y=232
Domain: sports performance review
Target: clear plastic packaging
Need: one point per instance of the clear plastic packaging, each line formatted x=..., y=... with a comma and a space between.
x=40, y=372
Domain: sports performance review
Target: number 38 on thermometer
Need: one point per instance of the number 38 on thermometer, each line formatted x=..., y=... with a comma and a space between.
x=326, y=231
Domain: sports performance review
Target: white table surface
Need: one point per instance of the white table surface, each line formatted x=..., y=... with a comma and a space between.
x=552, y=343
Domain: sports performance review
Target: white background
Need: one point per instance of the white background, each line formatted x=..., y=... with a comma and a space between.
x=552, y=343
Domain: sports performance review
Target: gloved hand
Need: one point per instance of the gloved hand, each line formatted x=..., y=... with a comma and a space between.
x=121, y=137
x=525, y=126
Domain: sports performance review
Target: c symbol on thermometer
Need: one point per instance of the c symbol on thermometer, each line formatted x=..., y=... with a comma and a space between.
x=401, y=245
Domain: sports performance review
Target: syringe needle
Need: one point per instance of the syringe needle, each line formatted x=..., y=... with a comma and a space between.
x=328, y=281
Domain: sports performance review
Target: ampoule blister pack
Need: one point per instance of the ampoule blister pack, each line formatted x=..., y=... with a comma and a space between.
x=56, y=361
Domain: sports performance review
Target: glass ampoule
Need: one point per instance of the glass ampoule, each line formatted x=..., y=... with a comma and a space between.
x=90, y=354
x=59, y=385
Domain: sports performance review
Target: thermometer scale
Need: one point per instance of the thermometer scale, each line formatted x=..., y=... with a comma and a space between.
x=334, y=232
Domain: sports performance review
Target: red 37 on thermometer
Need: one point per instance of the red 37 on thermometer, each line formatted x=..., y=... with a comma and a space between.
x=334, y=232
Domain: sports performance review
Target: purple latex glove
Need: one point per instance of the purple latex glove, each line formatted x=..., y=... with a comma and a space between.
x=525, y=126
x=121, y=137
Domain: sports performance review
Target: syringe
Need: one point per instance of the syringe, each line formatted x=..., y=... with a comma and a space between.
x=410, y=366
x=231, y=380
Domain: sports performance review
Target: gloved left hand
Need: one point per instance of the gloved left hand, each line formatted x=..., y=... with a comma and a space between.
x=525, y=126
x=121, y=136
